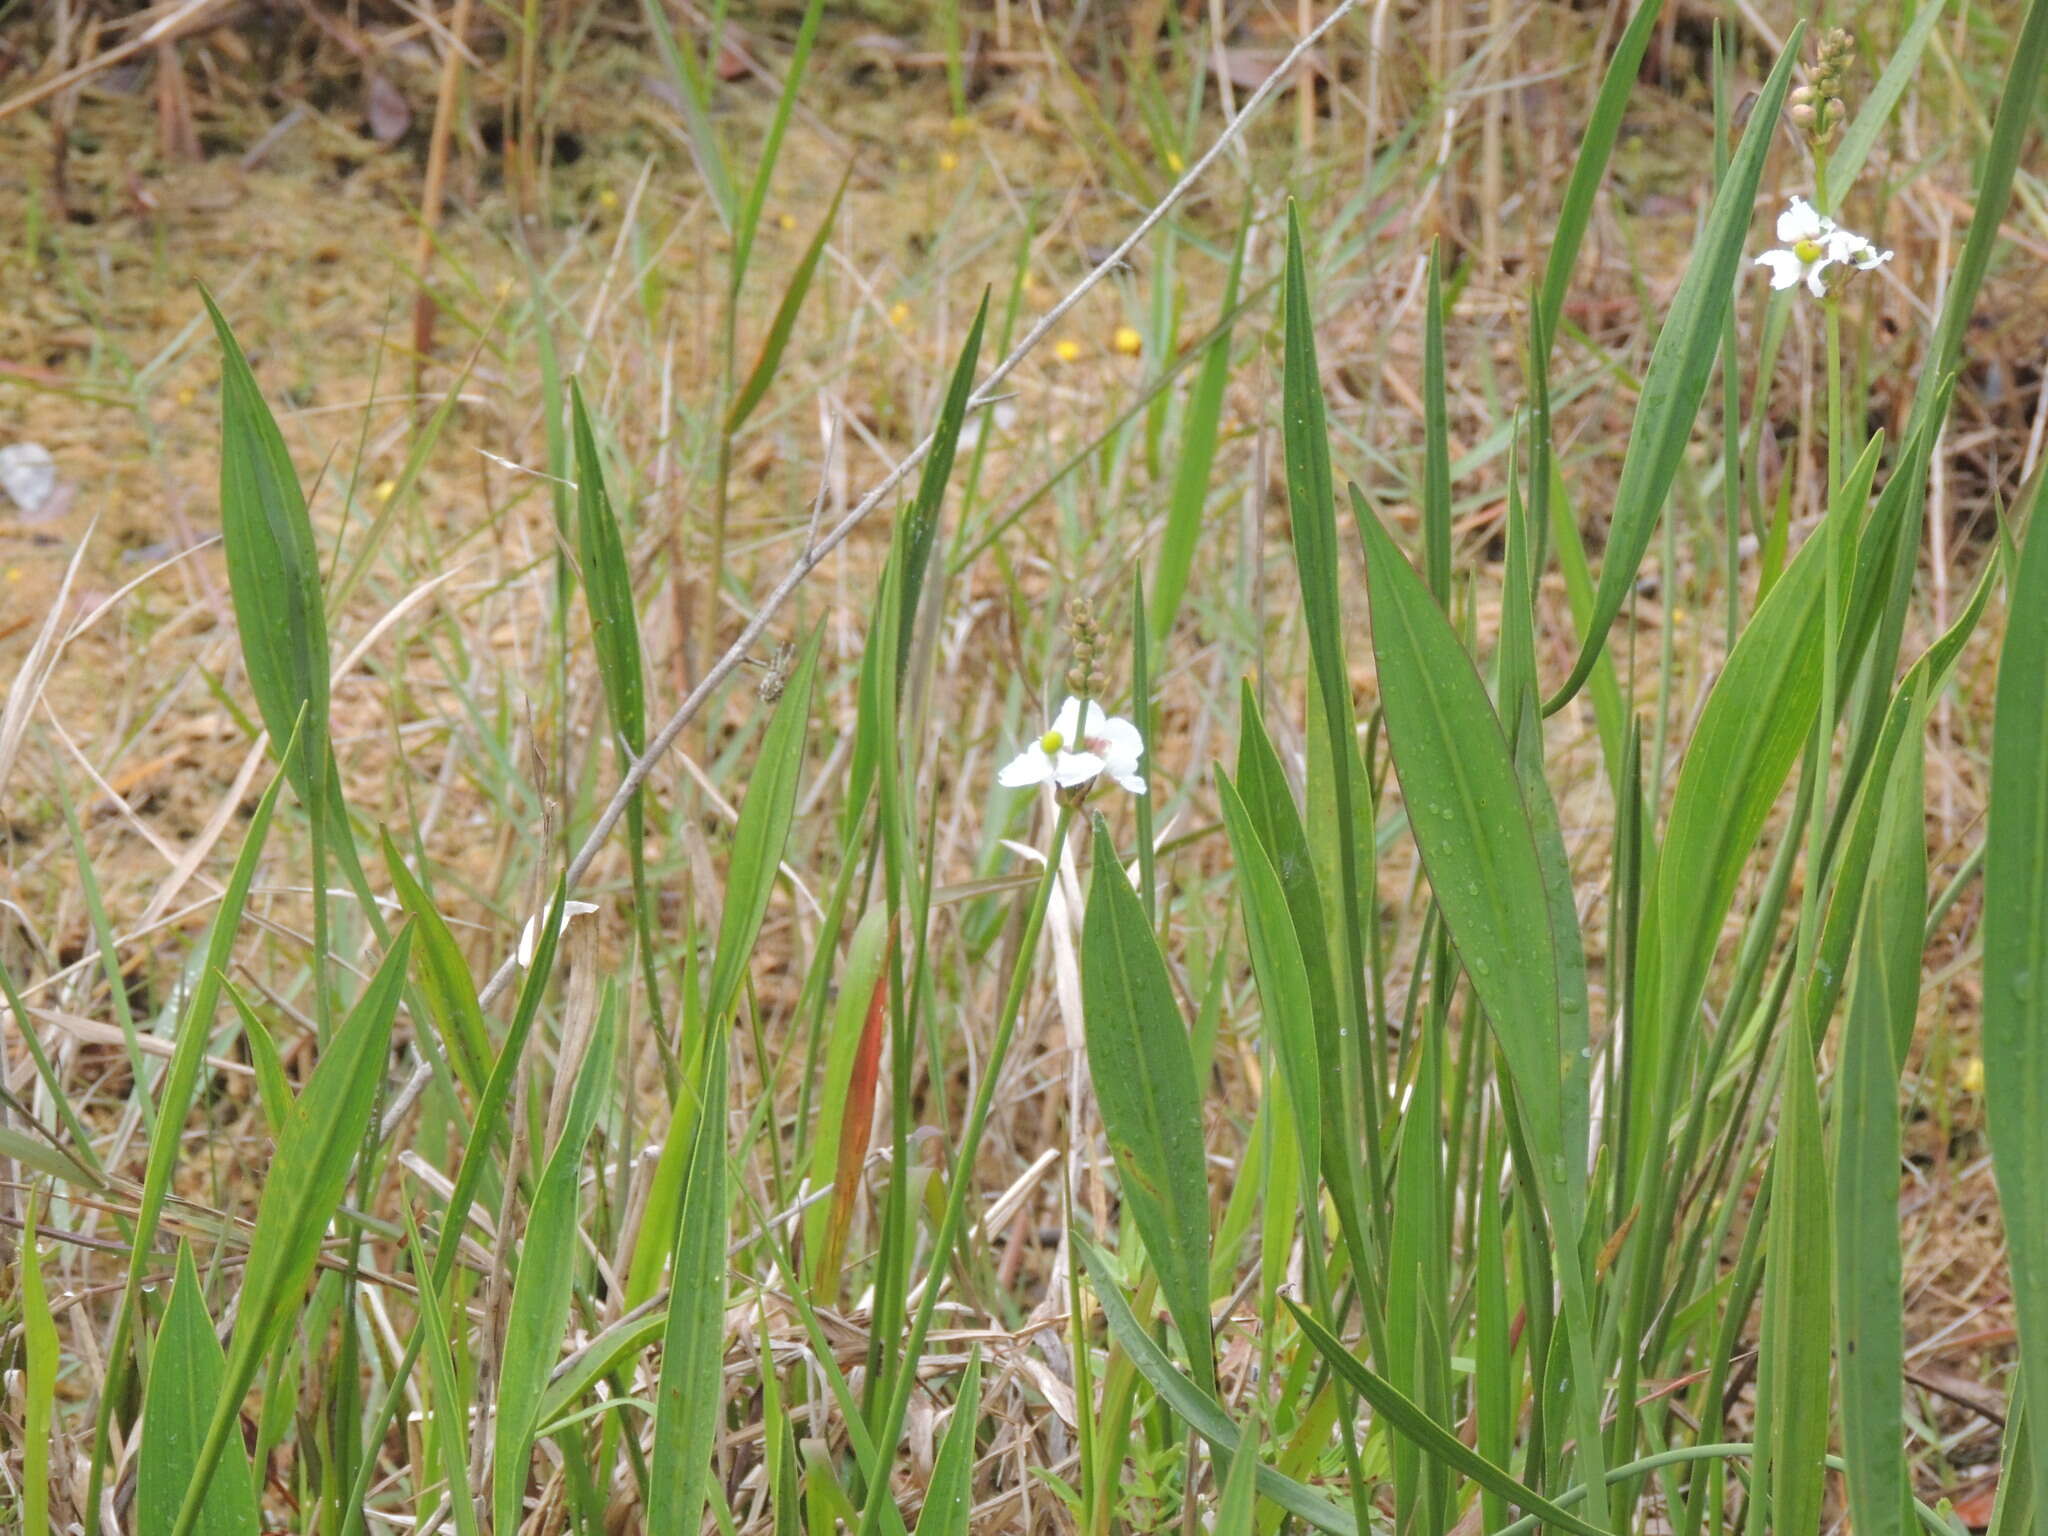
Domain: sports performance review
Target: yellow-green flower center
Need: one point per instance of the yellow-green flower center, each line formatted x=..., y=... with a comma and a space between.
x=1809, y=250
x=1051, y=742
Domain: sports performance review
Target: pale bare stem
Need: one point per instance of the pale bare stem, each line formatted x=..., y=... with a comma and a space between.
x=816, y=550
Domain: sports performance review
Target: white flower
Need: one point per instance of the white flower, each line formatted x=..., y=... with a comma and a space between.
x=529, y=936
x=1813, y=243
x=1072, y=754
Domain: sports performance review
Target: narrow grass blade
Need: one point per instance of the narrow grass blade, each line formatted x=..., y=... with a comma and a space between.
x=1436, y=443
x=186, y=1369
x=451, y=1421
x=690, y=1399
x=1680, y=365
x=1240, y=1498
x=315, y=1156
x=1845, y=160
x=1199, y=1410
x=2012, y=1512
x=693, y=92
x=608, y=582
x=769, y=360
x=1144, y=1076
x=771, y=149
x=949, y=1498
x=446, y=987
x=40, y=1361
x=273, y=571
x=542, y=1289
x=1589, y=166
x=1883, y=1003
x=1191, y=478
x=2016, y=956
x=1404, y=1418
x=856, y=1114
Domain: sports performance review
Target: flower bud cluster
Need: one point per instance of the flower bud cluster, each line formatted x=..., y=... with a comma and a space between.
x=1817, y=105
x=1082, y=678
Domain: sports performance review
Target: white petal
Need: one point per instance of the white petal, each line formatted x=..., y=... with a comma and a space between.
x=1117, y=737
x=1031, y=766
x=1068, y=721
x=1071, y=768
x=1799, y=222
x=1870, y=258
x=1134, y=782
x=1816, y=279
x=529, y=936
x=1784, y=267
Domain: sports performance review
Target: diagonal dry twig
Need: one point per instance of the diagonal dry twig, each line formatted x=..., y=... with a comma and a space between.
x=816, y=550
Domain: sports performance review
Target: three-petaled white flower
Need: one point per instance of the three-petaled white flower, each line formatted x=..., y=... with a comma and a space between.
x=1813, y=243
x=529, y=936
x=1075, y=752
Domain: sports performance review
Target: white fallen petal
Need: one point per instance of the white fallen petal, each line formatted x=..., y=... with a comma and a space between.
x=529, y=936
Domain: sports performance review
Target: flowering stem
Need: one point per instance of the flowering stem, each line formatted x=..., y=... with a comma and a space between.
x=890, y=1429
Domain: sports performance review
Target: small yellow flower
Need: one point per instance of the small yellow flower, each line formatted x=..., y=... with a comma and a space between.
x=948, y=161
x=1128, y=341
x=386, y=489
x=608, y=198
x=960, y=127
x=899, y=314
x=503, y=290
x=1973, y=1075
x=14, y=573
x=1174, y=163
x=786, y=220
x=1067, y=350
x=186, y=395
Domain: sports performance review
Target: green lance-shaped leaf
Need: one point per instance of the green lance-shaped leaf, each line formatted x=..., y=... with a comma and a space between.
x=1144, y=1076
x=2016, y=958
x=614, y=626
x=1755, y=725
x=1466, y=813
x=273, y=571
x=776, y=342
x=949, y=1499
x=542, y=1289
x=315, y=1155
x=40, y=1360
x=185, y=1372
x=921, y=523
x=1191, y=478
x=1406, y=1419
x=1680, y=365
x=1596, y=144
x=1846, y=159
x=1282, y=976
x=446, y=987
x=690, y=1396
x=1883, y=1002
x=1199, y=1410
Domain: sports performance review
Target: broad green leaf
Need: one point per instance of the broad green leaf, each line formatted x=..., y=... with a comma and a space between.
x=1466, y=813
x=185, y=1372
x=305, y=1182
x=608, y=582
x=690, y=1398
x=2015, y=1029
x=1199, y=1410
x=1404, y=1418
x=949, y=1497
x=1144, y=1076
x=542, y=1289
x=273, y=572
x=1883, y=1003
x=1680, y=365
x=858, y=979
